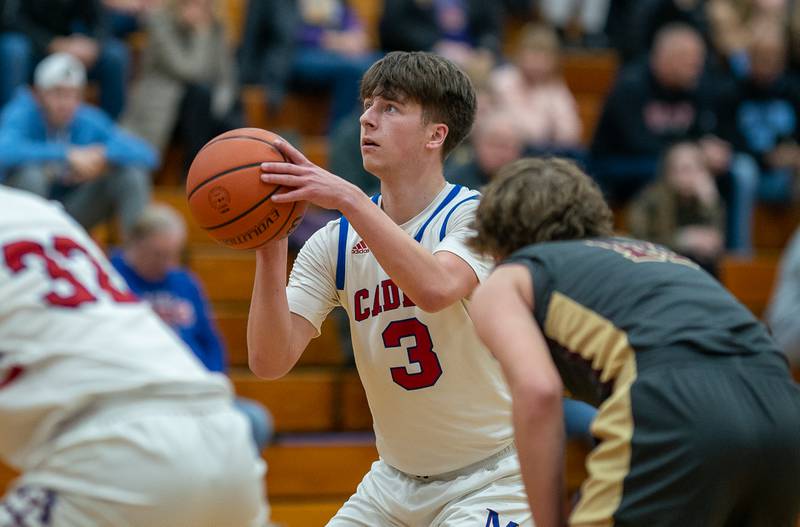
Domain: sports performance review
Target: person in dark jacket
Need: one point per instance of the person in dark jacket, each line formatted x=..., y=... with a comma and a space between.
x=669, y=98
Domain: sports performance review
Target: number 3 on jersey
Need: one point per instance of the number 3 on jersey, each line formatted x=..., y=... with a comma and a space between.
x=420, y=353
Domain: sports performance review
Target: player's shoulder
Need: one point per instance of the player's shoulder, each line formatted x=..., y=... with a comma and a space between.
x=462, y=204
x=17, y=206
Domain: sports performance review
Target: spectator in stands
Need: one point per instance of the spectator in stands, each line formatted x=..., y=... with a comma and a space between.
x=468, y=32
x=267, y=45
x=64, y=26
x=665, y=99
x=331, y=51
x=764, y=117
x=651, y=15
x=783, y=312
x=187, y=82
x=126, y=16
x=580, y=21
x=54, y=145
x=682, y=209
x=495, y=141
x=734, y=23
x=150, y=265
x=533, y=89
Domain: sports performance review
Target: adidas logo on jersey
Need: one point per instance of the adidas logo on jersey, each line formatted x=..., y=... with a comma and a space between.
x=360, y=248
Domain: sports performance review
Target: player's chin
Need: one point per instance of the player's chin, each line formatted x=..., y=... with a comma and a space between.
x=371, y=163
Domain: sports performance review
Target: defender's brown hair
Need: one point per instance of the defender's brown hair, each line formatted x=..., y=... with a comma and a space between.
x=536, y=200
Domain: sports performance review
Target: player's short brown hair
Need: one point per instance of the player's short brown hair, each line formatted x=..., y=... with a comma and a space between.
x=535, y=200
x=444, y=91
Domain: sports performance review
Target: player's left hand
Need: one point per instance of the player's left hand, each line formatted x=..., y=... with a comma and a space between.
x=308, y=181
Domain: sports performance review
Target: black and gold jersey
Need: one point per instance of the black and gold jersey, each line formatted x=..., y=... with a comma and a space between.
x=603, y=303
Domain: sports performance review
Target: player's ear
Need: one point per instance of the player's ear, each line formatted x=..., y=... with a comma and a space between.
x=438, y=134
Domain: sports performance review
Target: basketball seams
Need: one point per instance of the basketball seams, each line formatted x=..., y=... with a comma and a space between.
x=271, y=145
x=245, y=213
x=217, y=176
x=215, y=141
x=279, y=231
x=288, y=217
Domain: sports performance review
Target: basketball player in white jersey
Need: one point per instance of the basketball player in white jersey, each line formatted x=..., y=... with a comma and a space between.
x=110, y=420
x=400, y=267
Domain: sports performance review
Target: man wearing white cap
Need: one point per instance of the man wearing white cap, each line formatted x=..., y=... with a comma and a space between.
x=54, y=145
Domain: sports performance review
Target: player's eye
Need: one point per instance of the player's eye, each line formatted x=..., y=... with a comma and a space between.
x=367, y=103
x=391, y=108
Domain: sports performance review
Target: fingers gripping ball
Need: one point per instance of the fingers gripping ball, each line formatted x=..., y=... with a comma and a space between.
x=227, y=197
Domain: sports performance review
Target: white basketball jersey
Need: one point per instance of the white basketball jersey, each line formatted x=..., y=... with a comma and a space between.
x=437, y=396
x=71, y=333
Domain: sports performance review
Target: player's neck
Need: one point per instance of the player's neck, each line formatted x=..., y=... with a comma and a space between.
x=406, y=195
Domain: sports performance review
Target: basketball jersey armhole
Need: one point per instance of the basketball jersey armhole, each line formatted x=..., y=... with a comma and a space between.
x=446, y=201
x=344, y=228
x=341, y=255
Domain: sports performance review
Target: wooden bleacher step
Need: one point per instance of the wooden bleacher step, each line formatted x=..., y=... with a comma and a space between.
x=304, y=513
x=226, y=274
x=750, y=280
x=330, y=468
x=324, y=350
x=309, y=399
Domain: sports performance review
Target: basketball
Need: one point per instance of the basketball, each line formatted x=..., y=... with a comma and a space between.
x=227, y=197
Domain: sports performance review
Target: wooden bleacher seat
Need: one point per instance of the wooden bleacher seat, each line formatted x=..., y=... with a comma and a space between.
x=354, y=414
x=751, y=280
x=590, y=72
x=227, y=274
x=304, y=512
x=324, y=350
x=302, y=401
x=773, y=226
x=319, y=469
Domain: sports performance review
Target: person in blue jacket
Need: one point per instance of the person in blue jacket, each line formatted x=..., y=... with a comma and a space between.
x=56, y=146
x=150, y=264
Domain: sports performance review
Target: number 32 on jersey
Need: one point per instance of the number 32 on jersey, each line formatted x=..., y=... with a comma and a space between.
x=56, y=258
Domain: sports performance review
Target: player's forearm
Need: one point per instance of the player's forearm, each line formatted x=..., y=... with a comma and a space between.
x=269, y=324
x=413, y=268
x=539, y=433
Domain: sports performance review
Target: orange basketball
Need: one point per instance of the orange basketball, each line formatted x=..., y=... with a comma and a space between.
x=227, y=197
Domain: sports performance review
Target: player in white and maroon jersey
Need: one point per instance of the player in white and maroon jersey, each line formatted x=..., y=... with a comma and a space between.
x=400, y=267
x=109, y=418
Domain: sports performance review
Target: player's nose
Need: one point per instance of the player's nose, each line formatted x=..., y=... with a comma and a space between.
x=367, y=118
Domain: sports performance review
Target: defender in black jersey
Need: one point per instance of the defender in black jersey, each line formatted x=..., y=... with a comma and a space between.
x=699, y=419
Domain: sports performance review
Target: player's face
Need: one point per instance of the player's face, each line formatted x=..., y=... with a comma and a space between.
x=392, y=134
x=158, y=254
x=60, y=104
